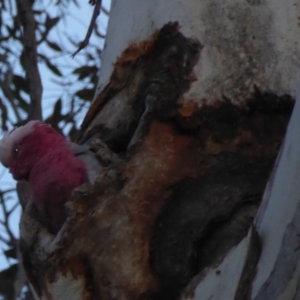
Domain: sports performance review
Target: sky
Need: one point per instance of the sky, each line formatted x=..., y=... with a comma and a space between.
x=76, y=24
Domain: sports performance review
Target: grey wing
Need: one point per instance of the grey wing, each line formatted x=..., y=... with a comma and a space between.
x=89, y=158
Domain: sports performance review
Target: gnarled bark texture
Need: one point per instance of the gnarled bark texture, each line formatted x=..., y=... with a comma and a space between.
x=192, y=107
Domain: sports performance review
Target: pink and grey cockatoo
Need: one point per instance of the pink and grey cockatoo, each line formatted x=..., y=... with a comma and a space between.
x=40, y=155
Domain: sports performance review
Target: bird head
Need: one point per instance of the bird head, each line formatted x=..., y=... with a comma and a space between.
x=23, y=146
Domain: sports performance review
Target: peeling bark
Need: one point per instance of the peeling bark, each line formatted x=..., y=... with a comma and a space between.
x=148, y=79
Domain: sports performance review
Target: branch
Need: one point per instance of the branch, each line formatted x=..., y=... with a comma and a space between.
x=5, y=86
x=26, y=17
x=5, y=221
x=86, y=40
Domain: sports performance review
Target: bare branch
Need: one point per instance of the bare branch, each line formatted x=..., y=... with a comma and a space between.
x=2, y=239
x=26, y=17
x=96, y=13
x=5, y=223
x=9, y=96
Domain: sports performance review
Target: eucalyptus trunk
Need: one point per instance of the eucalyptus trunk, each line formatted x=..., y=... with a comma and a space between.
x=199, y=196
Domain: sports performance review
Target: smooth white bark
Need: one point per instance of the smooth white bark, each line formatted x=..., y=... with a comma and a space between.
x=223, y=280
x=245, y=43
x=279, y=220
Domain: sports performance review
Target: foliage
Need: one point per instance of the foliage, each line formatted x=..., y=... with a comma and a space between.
x=68, y=85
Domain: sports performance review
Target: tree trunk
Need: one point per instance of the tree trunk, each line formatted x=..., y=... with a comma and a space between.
x=193, y=100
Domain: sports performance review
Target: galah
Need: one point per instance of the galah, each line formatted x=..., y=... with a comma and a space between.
x=43, y=157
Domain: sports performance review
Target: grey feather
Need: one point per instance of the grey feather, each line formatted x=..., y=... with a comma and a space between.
x=89, y=158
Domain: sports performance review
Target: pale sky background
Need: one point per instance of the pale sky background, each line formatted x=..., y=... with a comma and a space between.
x=76, y=25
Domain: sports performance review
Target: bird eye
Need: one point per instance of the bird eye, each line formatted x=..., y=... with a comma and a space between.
x=16, y=151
